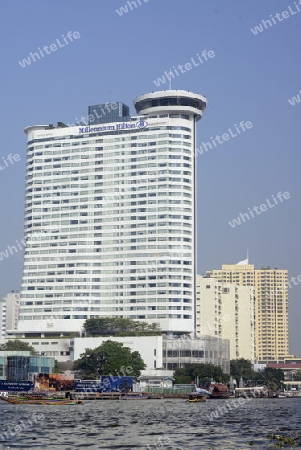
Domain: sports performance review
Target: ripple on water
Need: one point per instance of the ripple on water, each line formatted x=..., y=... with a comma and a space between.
x=150, y=425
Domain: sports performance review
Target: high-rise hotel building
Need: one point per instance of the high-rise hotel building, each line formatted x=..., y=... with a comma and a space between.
x=271, y=306
x=110, y=219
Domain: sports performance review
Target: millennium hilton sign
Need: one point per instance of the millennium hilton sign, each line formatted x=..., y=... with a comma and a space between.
x=119, y=126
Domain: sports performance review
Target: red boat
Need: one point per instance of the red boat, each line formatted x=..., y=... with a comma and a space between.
x=219, y=390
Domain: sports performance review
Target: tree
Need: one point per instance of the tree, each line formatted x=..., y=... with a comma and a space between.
x=155, y=327
x=258, y=378
x=110, y=358
x=17, y=345
x=273, y=378
x=116, y=326
x=297, y=375
x=241, y=368
x=57, y=367
x=204, y=372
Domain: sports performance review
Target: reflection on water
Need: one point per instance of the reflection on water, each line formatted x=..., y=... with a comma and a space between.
x=149, y=424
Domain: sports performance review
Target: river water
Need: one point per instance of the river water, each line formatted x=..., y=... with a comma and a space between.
x=169, y=424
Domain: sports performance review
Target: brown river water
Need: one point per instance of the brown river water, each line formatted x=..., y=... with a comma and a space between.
x=170, y=424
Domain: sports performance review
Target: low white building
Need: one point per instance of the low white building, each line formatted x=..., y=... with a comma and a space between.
x=58, y=348
x=158, y=352
x=259, y=367
x=149, y=347
x=155, y=379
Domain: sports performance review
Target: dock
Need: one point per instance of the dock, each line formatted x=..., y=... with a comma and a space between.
x=117, y=395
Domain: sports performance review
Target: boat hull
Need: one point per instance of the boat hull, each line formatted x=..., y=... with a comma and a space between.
x=196, y=398
x=220, y=395
x=40, y=401
x=133, y=398
x=219, y=391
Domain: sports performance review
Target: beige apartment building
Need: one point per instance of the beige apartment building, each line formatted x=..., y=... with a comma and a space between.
x=271, y=306
x=226, y=310
x=12, y=310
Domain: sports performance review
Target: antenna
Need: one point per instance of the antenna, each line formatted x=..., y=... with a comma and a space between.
x=170, y=79
x=248, y=255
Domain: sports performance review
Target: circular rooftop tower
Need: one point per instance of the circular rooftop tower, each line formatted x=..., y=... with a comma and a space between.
x=173, y=101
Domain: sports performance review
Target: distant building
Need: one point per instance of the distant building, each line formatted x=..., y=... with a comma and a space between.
x=292, y=359
x=179, y=351
x=271, y=306
x=259, y=367
x=288, y=369
x=9, y=313
x=2, y=319
x=12, y=310
x=21, y=365
x=149, y=347
x=115, y=236
x=155, y=379
x=167, y=352
x=56, y=347
x=293, y=387
x=158, y=352
x=108, y=112
x=226, y=311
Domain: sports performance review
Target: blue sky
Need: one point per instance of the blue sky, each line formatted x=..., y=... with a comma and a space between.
x=117, y=58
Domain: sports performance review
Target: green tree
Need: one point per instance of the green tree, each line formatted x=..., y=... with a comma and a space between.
x=57, y=367
x=181, y=376
x=241, y=368
x=205, y=372
x=117, y=359
x=297, y=375
x=154, y=327
x=17, y=345
x=273, y=378
x=95, y=327
x=258, y=378
x=114, y=326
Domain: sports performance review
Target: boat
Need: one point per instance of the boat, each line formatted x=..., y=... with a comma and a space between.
x=202, y=391
x=196, y=398
x=219, y=391
x=16, y=400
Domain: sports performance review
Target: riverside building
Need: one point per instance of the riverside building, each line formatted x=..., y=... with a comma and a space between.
x=226, y=310
x=21, y=365
x=12, y=310
x=3, y=316
x=110, y=219
x=271, y=306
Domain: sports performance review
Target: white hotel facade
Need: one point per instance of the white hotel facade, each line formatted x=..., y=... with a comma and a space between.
x=110, y=219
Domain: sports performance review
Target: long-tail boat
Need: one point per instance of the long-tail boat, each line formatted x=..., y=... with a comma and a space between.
x=36, y=400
